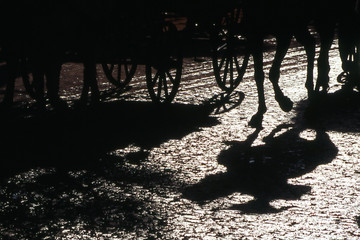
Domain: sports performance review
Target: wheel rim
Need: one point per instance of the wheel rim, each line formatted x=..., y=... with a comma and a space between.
x=229, y=68
x=230, y=55
x=163, y=83
x=119, y=74
x=163, y=72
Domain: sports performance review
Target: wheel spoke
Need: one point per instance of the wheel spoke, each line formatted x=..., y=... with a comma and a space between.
x=170, y=77
x=153, y=81
x=118, y=77
x=222, y=62
x=237, y=64
x=226, y=70
x=126, y=68
x=225, y=108
x=160, y=85
x=166, y=91
x=231, y=72
x=111, y=68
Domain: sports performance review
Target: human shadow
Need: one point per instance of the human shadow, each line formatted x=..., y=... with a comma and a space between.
x=263, y=171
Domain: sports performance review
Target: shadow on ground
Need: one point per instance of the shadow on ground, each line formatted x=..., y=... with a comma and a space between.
x=71, y=138
x=289, y=151
x=338, y=111
x=262, y=171
x=58, y=172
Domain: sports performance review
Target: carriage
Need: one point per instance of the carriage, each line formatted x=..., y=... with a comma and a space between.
x=162, y=49
x=154, y=35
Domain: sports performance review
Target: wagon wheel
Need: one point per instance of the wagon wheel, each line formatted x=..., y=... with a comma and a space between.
x=230, y=54
x=350, y=77
x=120, y=74
x=163, y=71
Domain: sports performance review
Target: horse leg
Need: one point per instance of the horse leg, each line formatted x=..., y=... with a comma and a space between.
x=12, y=66
x=282, y=45
x=90, y=82
x=86, y=86
x=38, y=82
x=326, y=32
x=52, y=84
x=95, y=93
x=304, y=37
x=346, y=44
x=257, y=52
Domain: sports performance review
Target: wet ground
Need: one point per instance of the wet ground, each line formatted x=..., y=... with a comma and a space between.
x=129, y=169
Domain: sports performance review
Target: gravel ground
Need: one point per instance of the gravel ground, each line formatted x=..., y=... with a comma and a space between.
x=128, y=169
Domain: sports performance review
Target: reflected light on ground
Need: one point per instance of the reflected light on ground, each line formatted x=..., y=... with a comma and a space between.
x=308, y=134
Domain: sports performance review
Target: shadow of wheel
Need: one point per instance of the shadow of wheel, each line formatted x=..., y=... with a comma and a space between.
x=224, y=102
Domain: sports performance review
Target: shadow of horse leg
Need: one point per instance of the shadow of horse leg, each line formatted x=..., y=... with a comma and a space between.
x=256, y=47
x=282, y=45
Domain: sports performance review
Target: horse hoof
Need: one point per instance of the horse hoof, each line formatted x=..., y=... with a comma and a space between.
x=256, y=121
x=95, y=100
x=39, y=106
x=80, y=104
x=285, y=103
x=311, y=94
x=59, y=104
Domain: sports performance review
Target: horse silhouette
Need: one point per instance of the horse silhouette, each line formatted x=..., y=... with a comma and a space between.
x=51, y=28
x=285, y=19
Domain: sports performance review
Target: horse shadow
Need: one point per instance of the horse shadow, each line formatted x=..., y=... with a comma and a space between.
x=263, y=171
